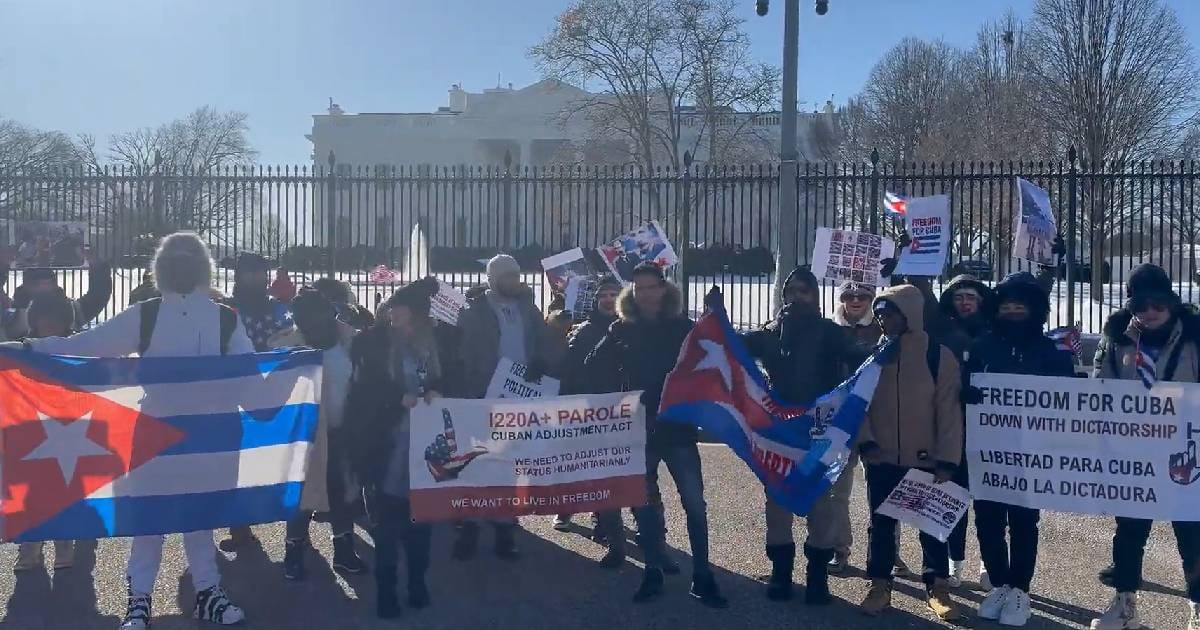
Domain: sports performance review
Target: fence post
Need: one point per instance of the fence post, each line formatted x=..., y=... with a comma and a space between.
x=685, y=230
x=1072, y=208
x=331, y=213
x=872, y=203
x=156, y=197
x=506, y=204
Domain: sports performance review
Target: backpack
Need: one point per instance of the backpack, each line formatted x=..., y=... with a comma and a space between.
x=148, y=311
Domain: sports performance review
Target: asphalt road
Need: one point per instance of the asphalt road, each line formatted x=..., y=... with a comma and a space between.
x=557, y=584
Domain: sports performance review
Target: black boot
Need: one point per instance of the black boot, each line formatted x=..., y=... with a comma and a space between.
x=344, y=557
x=1106, y=575
x=783, y=558
x=417, y=563
x=651, y=586
x=467, y=543
x=816, y=590
x=704, y=588
x=506, y=543
x=293, y=559
x=387, y=605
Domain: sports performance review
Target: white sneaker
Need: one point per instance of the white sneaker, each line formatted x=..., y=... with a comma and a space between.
x=1121, y=614
x=562, y=522
x=212, y=604
x=992, y=605
x=984, y=582
x=956, y=573
x=1017, y=609
x=1194, y=619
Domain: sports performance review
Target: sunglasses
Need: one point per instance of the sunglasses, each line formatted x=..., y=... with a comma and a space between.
x=1145, y=305
x=856, y=298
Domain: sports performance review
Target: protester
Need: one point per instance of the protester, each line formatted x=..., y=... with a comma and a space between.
x=188, y=323
x=37, y=281
x=560, y=322
x=577, y=379
x=805, y=357
x=1154, y=338
x=915, y=421
x=262, y=316
x=145, y=290
x=282, y=288
x=51, y=314
x=396, y=365
x=640, y=349
x=1016, y=344
x=343, y=300
x=317, y=326
x=502, y=322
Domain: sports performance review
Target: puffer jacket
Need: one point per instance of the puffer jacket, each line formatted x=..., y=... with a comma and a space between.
x=1179, y=361
x=952, y=331
x=583, y=338
x=640, y=352
x=914, y=420
x=804, y=354
x=864, y=333
x=1028, y=351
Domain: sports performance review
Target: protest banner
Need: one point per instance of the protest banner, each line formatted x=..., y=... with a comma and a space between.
x=647, y=243
x=49, y=243
x=1093, y=446
x=1035, y=225
x=507, y=458
x=847, y=255
x=563, y=266
x=934, y=508
x=508, y=381
x=581, y=296
x=447, y=303
x=927, y=220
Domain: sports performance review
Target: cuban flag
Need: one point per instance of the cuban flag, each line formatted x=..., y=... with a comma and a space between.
x=1067, y=339
x=94, y=448
x=896, y=205
x=797, y=452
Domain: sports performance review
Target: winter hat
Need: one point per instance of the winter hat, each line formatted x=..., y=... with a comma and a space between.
x=850, y=287
x=802, y=274
x=1023, y=288
x=606, y=281
x=500, y=265
x=415, y=295
x=1148, y=281
x=52, y=305
x=648, y=269
x=249, y=262
x=35, y=274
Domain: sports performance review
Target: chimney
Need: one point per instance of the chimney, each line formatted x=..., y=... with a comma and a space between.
x=458, y=99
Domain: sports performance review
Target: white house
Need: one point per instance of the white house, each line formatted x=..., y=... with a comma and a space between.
x=528, y=128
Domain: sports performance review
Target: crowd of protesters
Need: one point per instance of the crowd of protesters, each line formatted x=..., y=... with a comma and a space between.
x=379, y=365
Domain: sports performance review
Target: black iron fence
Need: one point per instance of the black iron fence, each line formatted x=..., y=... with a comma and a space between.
x=344, y=220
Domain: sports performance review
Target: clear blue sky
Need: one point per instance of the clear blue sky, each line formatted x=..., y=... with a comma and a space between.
x=104, y=66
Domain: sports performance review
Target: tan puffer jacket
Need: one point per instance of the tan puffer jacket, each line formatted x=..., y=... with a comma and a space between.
x=913, y=420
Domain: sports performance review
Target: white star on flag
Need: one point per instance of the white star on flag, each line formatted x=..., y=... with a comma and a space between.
x=715, y=359
x=66, y=443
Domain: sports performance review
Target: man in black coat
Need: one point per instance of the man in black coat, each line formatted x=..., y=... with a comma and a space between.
x=640, y=349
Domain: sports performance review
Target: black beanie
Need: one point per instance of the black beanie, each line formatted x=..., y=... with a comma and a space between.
x=1148, y=281
x=803, y=274
x=415, y=295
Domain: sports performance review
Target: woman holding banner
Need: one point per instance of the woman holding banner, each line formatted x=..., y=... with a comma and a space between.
x=1015, y=344
x=395, y=366
x=1154, y=338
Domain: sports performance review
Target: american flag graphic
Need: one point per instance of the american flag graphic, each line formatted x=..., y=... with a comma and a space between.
x=896, y=205
x=1146, y=367
x=1068, y=339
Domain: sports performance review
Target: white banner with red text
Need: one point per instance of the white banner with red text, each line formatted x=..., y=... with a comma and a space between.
x=514, y=457
x=1092, y=446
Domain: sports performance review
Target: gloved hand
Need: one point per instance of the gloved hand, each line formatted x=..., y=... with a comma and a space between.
x=1059, y=248
x=887, y=266
x=903, y=241
x=971, y=395
x=535, y=371
x=713, y=298
x=943, y=472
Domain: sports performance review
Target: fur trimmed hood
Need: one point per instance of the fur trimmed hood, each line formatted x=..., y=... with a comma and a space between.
x=839, y=318
x=964, y=281
x=182, y=264
x=627, y=310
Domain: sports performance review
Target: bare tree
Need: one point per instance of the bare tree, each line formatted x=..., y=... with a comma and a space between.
x=192, y=173
x=28, y=158
x=1118, y=80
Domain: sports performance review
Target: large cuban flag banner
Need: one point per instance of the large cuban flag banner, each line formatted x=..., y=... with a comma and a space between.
x=797, y=452
x=92, y=448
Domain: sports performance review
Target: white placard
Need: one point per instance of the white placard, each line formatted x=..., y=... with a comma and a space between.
x=841, y=255
x=447, y=303
x=508, y=381
x=1035, y=227
x=647, y=243
x=934, y=508
x=927, y=221
x=1093, y=446
x=563, y=266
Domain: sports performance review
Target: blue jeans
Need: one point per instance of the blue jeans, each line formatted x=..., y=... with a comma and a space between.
x=683, y=462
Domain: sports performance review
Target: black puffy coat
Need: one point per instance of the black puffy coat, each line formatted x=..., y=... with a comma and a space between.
x=804, y=354
x=576, y=377
x=1026, y=350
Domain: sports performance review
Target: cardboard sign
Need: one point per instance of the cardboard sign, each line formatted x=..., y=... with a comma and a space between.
x=447, y=303
x=934, y=508
x=508, y=381
x=841, y=255
x=927, y=220
x=1036, y=227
